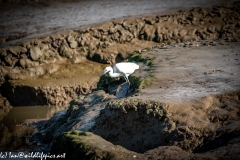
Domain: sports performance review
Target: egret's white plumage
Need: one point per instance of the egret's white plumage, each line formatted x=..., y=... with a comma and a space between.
x=123, y=69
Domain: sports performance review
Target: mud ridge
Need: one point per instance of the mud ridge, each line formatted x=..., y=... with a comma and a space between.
x=112, y=42
x=42, y=95
x=105, y=43
x=153, y=124
x=147, y=129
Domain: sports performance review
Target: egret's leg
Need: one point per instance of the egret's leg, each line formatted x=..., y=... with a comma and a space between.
x=128, y=81
x=126, y=77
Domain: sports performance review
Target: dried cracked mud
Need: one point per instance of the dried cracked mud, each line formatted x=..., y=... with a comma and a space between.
x=185, y=104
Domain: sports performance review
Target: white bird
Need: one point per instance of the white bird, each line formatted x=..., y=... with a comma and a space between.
x=123, y=69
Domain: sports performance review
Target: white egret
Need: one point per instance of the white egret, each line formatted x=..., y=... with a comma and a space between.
x=123, y=69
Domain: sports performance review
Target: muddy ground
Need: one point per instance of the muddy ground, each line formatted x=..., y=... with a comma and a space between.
x=186, y=106
x=37, y=65
x=27, y=19
x=190, y=112
x=192, y=103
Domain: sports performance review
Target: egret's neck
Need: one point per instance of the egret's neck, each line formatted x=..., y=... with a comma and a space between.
x=114, y=75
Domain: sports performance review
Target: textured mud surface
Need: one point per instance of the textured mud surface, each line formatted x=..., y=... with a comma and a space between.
x=44, y=17
x=152, y=124
x=57, y=88
x=148, y=129
x=188, y=71
x=187, y=104
x=63, y=56
x=4, y=106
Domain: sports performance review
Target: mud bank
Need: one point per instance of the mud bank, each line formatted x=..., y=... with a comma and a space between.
x=26, y=19
x=104, y=42
x=146, y=129
x=58, y=88
x=155, y=124
x=109, y=42
x=188, y=109
x=4, y=106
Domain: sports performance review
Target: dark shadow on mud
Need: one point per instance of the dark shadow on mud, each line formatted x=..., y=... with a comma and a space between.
x=216, y=141
x=22, y=95
x=15, y=138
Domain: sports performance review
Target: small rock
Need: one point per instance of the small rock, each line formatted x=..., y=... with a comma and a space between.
x=35, y=53
x=17, y=50
x=72, y=43
x=65, y=51
x=25, y=63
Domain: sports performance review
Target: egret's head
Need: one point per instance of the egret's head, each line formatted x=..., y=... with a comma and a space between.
x=106, y=70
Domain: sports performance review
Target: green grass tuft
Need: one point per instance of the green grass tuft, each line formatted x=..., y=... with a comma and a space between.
x=82, y=134
x=137, y=57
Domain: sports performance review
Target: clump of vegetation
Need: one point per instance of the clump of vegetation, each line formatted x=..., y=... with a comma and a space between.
x=79, y=133
x=139, y=82
x=80, y=145
x=136, y=57
x=145, y=82
x=135, y=81
x=106, y=81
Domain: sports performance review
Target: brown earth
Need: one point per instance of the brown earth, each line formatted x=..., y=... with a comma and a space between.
x=22, y=20
x=179, y=116
x=4, y=106
x=109, y=42
x=192, y=103
x=159, y=129
x=208, y=129
x=58, y=88
x=188, y=103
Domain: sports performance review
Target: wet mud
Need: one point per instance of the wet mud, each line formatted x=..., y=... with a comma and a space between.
x=185, y=104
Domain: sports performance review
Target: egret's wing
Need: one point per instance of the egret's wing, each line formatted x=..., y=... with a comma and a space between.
x=125, y=67
x=115, y=68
